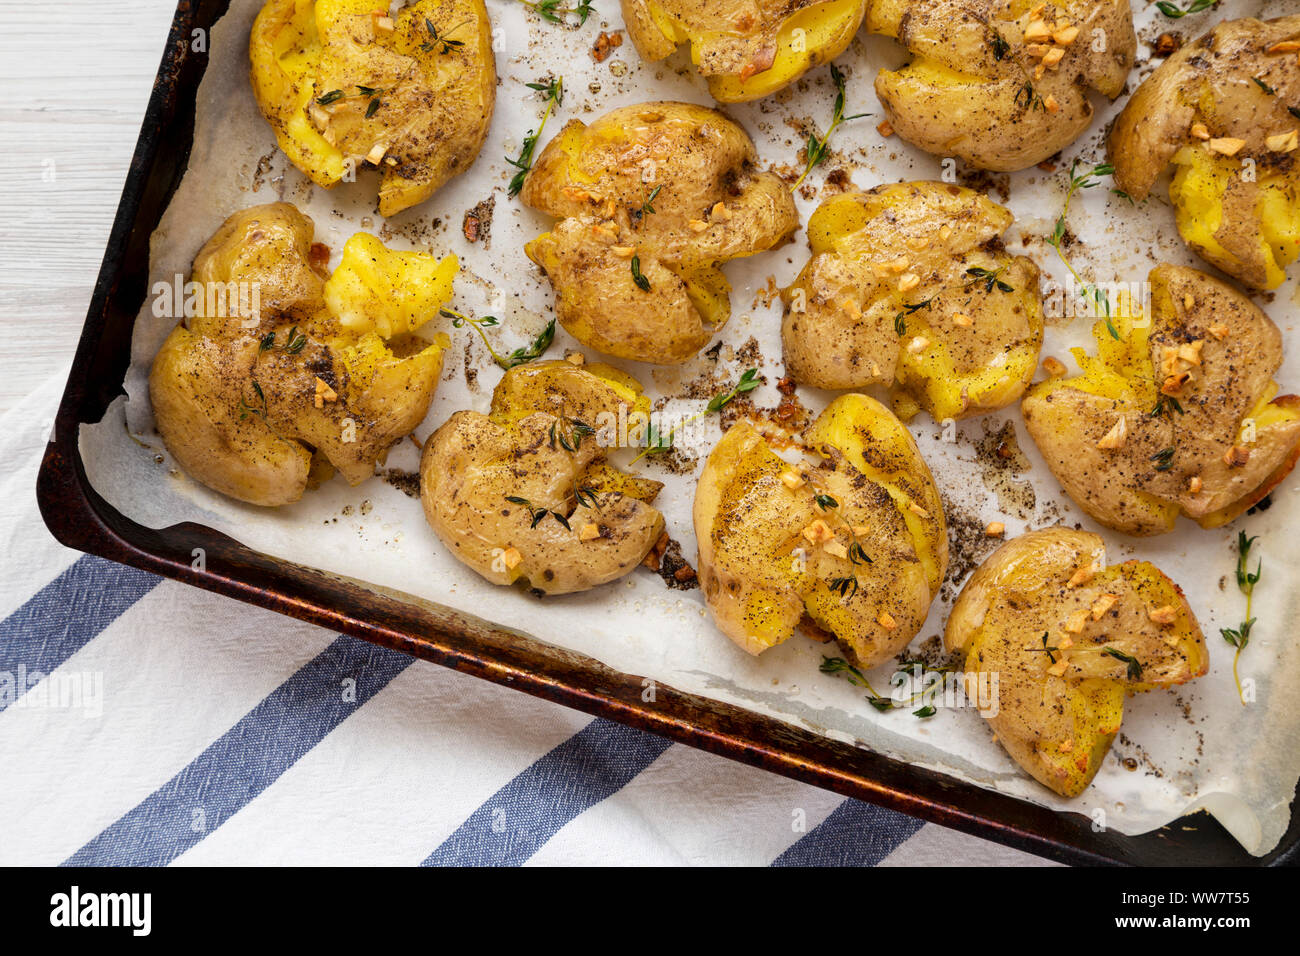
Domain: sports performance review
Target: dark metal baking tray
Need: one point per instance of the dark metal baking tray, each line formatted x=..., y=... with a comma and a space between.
x=81, y=519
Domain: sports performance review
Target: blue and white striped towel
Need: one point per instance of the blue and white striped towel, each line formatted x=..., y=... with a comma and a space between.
x=146, y=722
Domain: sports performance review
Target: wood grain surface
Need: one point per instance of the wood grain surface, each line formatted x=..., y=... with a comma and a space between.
x=76, y=76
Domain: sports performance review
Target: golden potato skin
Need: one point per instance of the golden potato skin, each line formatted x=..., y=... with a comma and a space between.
x=762, y=575
x=897, y=258
x=965, y=92
x=745, y=50
x=713, y=205
x=1229, y=87
x=1036, y=623
x=435, y=104
x=1236, y=348
x=235, y=394
x=534, y=447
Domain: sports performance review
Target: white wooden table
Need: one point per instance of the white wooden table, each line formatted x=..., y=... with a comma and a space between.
x=76, y=76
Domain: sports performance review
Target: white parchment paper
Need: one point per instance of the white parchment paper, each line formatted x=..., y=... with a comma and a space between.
x=1196, y=748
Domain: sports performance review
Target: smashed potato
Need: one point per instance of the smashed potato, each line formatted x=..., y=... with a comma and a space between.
x=272, y=390
x=343, y=83
x=1061, y=639
x=745, y=51
x=1225, y=111
x=1001, y=84
x=909, y=286
x=1180, y=414
x=855, y=544
x=524, y=493
x=651, y=199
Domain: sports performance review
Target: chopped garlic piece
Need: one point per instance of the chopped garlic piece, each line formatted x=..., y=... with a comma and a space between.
x=1038, y=30
x=324, y=393
x=792, y=480
x=818, y=532
x=1163, y=615
x=1116, y=437
x=1102, y=605
x=1283, y=142
x=1082, y=576
x=1235, y=456
x=1227, y=145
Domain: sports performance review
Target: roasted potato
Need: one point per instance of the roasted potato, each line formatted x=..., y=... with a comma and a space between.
x=524, y=493
x=855, y=544
x=909, y=286
x=1001, y=84
x=651, y=199
x=342, y=83
x=745, y=51
x=263, y=392
x=1059, y=639
x=1176, y=414
x=1225, y=111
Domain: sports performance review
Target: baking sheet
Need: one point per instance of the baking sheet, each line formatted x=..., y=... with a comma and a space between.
x=1198, y=747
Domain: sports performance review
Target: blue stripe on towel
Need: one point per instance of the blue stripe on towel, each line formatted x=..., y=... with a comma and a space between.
x=522, y=816
x=855, y=834
x=67, y=614
x=247, y=759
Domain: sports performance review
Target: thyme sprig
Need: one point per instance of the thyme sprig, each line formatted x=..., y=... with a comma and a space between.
x=900, y=320
x=1134, y=670
x=1047, y=649
x=1175, y=12
x=641, y=281
x=1087, y=290
x=838, y=665
x=294, y=342
x=647, y=207
x=1167, y=405
x=246, y=409
x=818, y=147
x=749, y=381
x=370, y=92
x=553, y=11
x=990, y=279
x=554, y=92
x=657, y=443
x=846, y=586
x=1029, y=98
x=520, y=356
x=1239, y=636
x=440, y=43
x=536, y=513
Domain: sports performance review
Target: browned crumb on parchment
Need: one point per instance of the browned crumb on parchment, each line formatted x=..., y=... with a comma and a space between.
x=666, y=560
x=477, y=224
x=606, y=44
